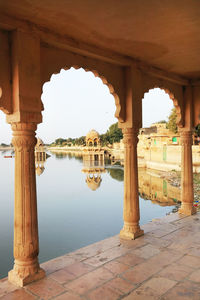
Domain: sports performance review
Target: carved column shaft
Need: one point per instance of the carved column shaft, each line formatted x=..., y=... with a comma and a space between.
x=187, y=191
x=26, y=267
x=131, y=213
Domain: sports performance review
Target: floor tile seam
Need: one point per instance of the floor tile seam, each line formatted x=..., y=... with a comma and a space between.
x=186, y=254
x=92, y=245
x=113, y=259
x=187, y=277
x=138, y=285
x=25, y=288
x=68, y=271
x=181, y=218
x=163, y=295
x=6, y=293
x=88, y=257
x=61, y=268
x=192, y=281
x=169, y=233
x=94, y=269
x=54, y=297
x=76, y=277
x=153, y=275
x=94, y=288
x=84, y=259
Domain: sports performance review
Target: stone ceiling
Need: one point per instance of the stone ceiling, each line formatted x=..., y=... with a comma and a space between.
x=163, y=33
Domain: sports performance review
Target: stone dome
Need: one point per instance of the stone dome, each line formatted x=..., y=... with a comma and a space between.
x=92, y=134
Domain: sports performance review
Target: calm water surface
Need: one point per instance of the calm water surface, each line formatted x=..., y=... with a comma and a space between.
x=71, y=213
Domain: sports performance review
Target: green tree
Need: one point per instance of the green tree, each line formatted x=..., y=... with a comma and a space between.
x=197, y=130
x=171, y=124
x=80, y=141
x=59, y=141
x=114, y=133
x=162, y=122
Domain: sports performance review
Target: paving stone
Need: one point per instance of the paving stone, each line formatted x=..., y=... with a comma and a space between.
x=62, y=276
x=68, y=296
x=116, y=267
x=176, y=272
x=89, y=281
x=57, y=264
x=183, y=291
x=45, y=288
x=6, y=287
x=120, y=285
x=130, y=259
x=195, y=276
x=102, y=293
x=19, y=294
x=133, y=244
x=190, y=261
x=133, y=296
x=78, y=269
x=106, y=256
x=155, y=287
x=141, y=272
x=146, y=251
x=111, y=290
x=148, y=268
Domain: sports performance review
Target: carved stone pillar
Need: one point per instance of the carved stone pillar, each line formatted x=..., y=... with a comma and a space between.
x=131, y=229
x=26, y=267
x=187, y=192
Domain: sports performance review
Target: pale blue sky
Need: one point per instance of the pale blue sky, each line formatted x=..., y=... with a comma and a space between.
x=76, y=101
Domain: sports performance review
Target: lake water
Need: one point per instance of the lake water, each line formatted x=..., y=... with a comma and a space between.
x=75, y=208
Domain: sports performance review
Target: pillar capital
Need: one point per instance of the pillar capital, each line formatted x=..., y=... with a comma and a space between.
x=24, y=136
x=130, y=135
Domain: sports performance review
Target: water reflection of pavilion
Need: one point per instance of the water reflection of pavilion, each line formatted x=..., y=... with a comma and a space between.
x=40, y=157
x=93, y=169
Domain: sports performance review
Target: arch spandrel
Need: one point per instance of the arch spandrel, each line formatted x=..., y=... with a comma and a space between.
x=54, y=60
x=174, y=91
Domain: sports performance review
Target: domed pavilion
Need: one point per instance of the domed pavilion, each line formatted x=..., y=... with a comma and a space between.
x=92, y=138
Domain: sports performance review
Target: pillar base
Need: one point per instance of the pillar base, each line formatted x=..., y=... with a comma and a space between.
x=128, y=234
x=22, y=280
x=187, y=209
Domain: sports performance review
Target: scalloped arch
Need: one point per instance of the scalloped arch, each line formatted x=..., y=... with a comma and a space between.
x=179, y=120
x=104, y=81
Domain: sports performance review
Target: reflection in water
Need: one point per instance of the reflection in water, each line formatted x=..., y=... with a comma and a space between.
x=116, y=173
x=93, y=181
x=93, y=166
x=151, y=185
x=40, y=159
x=158, y=190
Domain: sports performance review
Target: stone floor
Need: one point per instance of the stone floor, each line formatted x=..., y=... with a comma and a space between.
x=163, y=264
